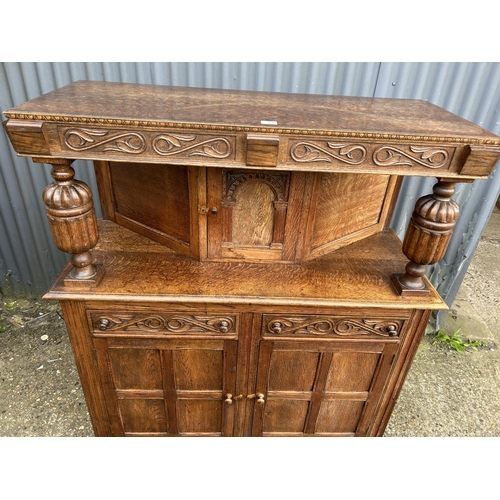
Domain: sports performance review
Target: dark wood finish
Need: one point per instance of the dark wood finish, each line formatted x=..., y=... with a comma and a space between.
x=244, y=280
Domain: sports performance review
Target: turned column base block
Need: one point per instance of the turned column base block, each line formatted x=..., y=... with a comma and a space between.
x=87, y=283
x=406, y=291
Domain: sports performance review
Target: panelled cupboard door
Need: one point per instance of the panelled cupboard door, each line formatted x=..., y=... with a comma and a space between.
x=171, y=387
x=324, y=388
x=253, y=215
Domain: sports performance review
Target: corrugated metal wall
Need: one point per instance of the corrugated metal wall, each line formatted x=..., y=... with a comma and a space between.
x=29, y=260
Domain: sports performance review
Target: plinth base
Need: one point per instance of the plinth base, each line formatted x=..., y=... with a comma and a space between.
x=404, y=291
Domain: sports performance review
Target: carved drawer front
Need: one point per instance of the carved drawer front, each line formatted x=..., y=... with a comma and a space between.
x=124, y=141
x=163, y=323
x=421, y=157
x=314, y=326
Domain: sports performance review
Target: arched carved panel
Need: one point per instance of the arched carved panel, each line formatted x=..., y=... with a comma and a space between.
x=254, y=207
x=253, y=215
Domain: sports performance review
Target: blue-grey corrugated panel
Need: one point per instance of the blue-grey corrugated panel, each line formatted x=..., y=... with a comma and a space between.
x=470, y=90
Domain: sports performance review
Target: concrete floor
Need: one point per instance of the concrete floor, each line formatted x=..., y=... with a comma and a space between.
x=447, y=393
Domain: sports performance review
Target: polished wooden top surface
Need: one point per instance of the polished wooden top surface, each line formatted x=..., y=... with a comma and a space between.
x=154, y=103
x=138, y=269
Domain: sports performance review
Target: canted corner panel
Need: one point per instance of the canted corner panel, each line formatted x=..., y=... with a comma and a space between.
x=347, y=207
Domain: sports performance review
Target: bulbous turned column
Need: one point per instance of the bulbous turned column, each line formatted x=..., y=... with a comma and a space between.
x=72, y=219
x=427, y=238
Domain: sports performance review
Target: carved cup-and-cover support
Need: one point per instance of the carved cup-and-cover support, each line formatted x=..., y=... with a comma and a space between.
x=426, y=240
x=72, y=219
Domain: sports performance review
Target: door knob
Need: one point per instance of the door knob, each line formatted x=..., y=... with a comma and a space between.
x=260, y=399
x=229, y=399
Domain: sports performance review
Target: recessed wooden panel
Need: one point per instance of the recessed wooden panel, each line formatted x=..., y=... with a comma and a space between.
x=347, y=203
x=198, y=369
x=253, y=215
x=153, y=196
x=339, y=416
x=285, y=415
x=199, y=416
x=143, y=415
x=352, y=371
x=136, y=368
x=293, y=370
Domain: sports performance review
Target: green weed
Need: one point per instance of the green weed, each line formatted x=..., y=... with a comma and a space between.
x=455, y=342
x=10, y=305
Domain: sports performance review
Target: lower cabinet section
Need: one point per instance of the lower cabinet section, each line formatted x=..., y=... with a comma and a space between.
x=179, y=373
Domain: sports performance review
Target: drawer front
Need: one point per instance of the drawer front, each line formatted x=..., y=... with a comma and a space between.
x=130, y=143
x=162, y=323
x=387, y=155
x=324, y=326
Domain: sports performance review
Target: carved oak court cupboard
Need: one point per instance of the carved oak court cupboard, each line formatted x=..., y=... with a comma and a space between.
x=244, y=280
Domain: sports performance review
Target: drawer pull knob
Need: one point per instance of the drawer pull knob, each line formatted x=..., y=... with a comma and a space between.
x=224, y=326
x=229, y=399
x=260, y=399
x=276, y=327
x=103, y=324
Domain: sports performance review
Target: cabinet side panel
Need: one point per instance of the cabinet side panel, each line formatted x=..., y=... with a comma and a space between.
x=153, y=200
x=347, y=204
x=83, y=350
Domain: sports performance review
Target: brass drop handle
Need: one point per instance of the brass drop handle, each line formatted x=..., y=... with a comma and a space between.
x=229, y=399
x=260, y=399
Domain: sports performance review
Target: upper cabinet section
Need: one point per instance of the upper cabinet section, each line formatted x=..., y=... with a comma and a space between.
x=257, y=130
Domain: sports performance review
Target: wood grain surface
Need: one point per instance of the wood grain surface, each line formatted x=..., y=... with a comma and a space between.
x=140, y=269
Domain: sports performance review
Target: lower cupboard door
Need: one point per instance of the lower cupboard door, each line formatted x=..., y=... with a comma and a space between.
x=168, y=388
x=323, y=389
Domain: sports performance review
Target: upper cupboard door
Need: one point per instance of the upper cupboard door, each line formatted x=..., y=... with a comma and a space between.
x=158, y=201
x=346, y=208
x=319, y=388
x=254, y=215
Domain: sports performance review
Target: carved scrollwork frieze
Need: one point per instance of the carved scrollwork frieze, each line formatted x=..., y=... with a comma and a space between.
x=174, y=144
x=82, y=139
x=147, y=143
x=164, y=323
x=429, y=157
x=305, y=152
x=378, y=155
x=328, y=326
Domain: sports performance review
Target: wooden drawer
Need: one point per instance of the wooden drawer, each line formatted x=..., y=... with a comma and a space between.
x=326, y=326
x=152, y=323
x=124, y=142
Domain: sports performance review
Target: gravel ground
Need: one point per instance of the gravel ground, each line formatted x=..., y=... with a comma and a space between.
x=447, y=393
